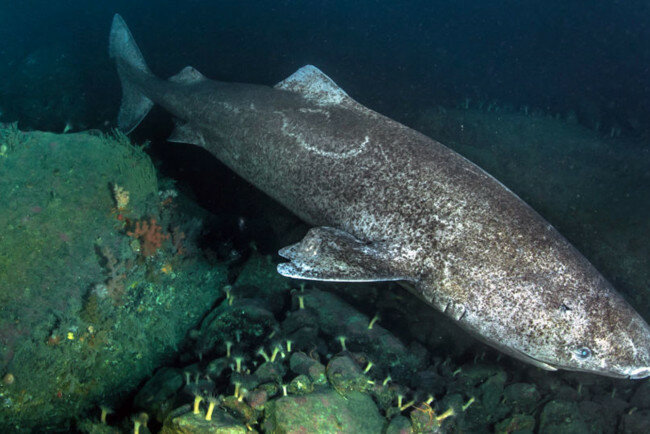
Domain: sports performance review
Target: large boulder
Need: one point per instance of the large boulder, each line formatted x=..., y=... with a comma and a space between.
x=95, y=294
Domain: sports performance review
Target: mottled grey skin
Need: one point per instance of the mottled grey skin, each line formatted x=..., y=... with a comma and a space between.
x=391, y=204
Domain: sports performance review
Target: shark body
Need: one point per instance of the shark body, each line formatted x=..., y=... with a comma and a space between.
x=388, y=203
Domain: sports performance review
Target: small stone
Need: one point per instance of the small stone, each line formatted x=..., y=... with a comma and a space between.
x=302, y=364
x=300, y=385
x=271, y=389
x=523, y=397
x=8, y=379
x=635, y=423
x=189, y=423
x=270, y=372
x=399, y=425
x=345, y=375
x=257, y=399
x=562, y=417
x=519, y=423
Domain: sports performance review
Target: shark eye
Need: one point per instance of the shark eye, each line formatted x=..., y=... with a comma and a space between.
x=583, y=353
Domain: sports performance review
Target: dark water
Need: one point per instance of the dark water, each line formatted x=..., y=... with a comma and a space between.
x=589, y=57
x=554, y=97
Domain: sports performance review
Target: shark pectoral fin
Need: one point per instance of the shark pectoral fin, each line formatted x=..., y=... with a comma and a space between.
x=184, y=133
x=334, y=255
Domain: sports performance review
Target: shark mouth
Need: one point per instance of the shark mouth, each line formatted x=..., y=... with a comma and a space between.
x=633, y=374
x=637, y=374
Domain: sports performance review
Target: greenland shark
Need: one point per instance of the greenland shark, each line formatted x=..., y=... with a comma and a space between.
x=390, y=204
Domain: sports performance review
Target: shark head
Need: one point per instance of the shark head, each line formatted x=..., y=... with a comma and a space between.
x=593, y=331
x=607, y=337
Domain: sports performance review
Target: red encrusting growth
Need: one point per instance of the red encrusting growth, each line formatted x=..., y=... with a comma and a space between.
x=150, y=235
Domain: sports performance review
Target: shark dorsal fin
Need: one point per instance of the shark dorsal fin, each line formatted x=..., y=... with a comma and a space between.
x=187, y=75
x=315, y=85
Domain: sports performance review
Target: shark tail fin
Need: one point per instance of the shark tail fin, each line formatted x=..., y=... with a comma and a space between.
x=131, y=67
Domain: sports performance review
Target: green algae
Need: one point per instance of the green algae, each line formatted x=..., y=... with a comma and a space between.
x=323, y=412
x=69, y=346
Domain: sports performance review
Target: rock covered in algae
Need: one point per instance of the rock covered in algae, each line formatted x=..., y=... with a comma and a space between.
x=522, y=396
x=345, y=375
x=247, y=318
x=184, y=421
x=562, y=417
x=636, y=422
x=323, y=412
x=518, y=423
x=301, y=385
x=302, y=364
x=159, y=390
x=399, y=425
x=335, y=317
x=85, y=317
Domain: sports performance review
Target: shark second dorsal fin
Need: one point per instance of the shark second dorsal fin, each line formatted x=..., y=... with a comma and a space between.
x=315, y=85
x=187, y=75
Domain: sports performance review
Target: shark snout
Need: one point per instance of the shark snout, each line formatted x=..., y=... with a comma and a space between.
x=640, y=366
x=638, y=373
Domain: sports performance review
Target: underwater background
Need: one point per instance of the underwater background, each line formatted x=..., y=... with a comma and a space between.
x=137, y=275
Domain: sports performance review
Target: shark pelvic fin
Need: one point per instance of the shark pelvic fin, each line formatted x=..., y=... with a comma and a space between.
x=315, y=85
x=184, y=133
x=334, y=255
x=188, y=75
